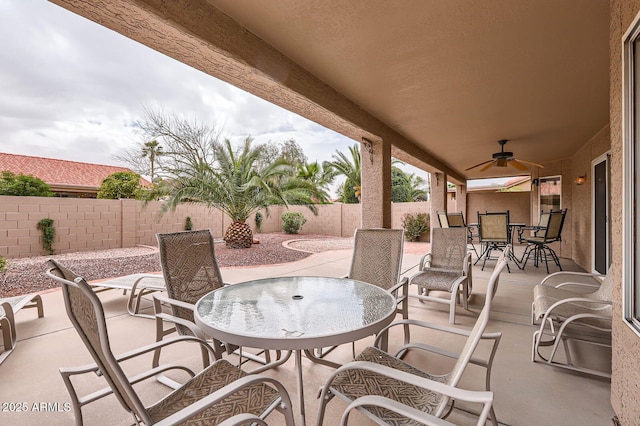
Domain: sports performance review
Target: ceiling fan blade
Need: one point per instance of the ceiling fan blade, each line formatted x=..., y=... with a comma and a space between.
x=531, y=163
x=478, y=165
x=487, y=166
x=518, y=165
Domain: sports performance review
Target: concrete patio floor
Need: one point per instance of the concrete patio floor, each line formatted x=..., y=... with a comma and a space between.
x=526, y=393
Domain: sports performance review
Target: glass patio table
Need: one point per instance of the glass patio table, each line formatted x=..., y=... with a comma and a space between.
x=296, y=314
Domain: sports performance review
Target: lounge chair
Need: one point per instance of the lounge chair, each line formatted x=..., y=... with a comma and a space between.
x=219, y=393
x=568, y=316
x=9, y=307
x=446, y=268
x=137, y=285
x=378, y=373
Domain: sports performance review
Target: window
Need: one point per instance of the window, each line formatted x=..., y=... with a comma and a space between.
x=550, y=192
x=631, y=176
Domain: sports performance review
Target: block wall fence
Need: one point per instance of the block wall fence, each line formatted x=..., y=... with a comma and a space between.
x=90, y=224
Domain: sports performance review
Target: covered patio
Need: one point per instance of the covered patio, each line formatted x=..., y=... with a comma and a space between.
x=434, y=84
x=526, y=393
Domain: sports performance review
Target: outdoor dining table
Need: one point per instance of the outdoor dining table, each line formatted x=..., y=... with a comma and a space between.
x=295, y=314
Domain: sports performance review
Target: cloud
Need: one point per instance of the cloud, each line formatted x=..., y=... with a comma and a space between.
x=72, y=89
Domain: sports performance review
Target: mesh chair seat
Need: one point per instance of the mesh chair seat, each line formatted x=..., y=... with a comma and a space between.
x=435, y=279
x=356, y=383
x=254, y=399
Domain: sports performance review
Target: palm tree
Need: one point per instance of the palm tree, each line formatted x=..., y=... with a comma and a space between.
x=235, y=185
x=321, y=176
x=350, y=168
x=419, y=190
x=152, y=149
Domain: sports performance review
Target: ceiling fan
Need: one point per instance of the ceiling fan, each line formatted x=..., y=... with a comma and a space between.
x=503, y=159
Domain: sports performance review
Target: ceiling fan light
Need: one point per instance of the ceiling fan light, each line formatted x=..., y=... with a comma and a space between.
x=501, y=162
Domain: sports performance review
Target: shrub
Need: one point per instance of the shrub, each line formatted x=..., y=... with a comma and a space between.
x=188, y=225
x=292, y=222
x=415, y=224
x=48, y=234
x=4, y=268
x=23, y=185
x=258, y=220
x=121, y=185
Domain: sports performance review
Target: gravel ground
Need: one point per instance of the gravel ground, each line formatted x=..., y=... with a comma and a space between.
x=26, y=275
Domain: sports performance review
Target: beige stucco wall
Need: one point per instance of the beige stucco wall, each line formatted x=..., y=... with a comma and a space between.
x=516, y=202
x=578, y=223
x=625, y=381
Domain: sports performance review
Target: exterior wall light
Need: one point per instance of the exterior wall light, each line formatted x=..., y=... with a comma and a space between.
x=580, y=180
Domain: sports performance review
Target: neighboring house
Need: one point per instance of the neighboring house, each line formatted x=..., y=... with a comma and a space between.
x=65, y=178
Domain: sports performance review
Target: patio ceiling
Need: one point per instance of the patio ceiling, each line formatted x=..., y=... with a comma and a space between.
x=443, y=81
x=455, y=76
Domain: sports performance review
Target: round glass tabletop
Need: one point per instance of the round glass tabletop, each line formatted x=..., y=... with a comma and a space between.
x=292, y=313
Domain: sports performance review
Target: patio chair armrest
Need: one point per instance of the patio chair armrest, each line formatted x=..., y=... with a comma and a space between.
x=572, y=276
x=425, y=261
x=174, y=302
x=404, y=284
x=577, y=284
x=579, y=302
x=213, y=398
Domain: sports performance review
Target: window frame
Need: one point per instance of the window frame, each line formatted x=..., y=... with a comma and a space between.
x=630, y=183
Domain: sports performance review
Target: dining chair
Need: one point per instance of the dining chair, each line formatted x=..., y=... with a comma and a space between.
x=446, y=268
x=377, y=260
x=418, y=394
x=493, y=234
x=538, y=245
x=190, y=271
x=456, y=220
x=219, y=393
x=443, y=219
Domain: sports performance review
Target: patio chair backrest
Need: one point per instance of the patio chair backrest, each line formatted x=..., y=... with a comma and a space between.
x=604, y=292
x=493, y=227
x=448, y=248
x=377, y=256
x=87, y=316
x=554, y=226
x=453, y=378
x=443, y=219
x=456, y=220
x=190, y=269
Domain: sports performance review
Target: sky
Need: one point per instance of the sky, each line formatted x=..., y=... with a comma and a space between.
x=71, y=89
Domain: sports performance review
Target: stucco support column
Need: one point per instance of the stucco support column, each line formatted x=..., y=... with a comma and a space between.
x=461, y=201
x=375, y=181
x=438, y=196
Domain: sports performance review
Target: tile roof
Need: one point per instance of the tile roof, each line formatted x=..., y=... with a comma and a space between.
x=60, y=172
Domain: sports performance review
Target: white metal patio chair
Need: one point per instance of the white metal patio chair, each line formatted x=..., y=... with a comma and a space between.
x=190, y=271
x=377, y=260
x=446, y=268
x=377, y=373
x=219, y=393
x=567, y=316
x=9, y=307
